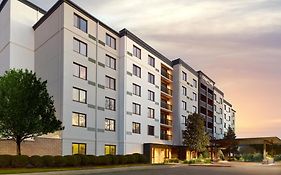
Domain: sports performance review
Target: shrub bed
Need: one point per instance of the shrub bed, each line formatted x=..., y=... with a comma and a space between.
x=277, y=158
x=9, y=161
x=256, y=157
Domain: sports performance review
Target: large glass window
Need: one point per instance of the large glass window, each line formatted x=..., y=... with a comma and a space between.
x=80, y=23
x=110, y=149
x=79, y=71
x=151, y=61
x=109, y=124
x=150, y=130
x=194, y=83
x=151, y=113
x=151, y=95
x=110, y=83
x=136, y=89
x=151, y=78
x=110, y=62
x=136, y=109
x=110, y=41
x=80, y=47
x=136, y=128
x=137, y=52
x=194, y=96
x=78, y=119
x=79, y=95
x=78, y=148
x=110, y=104
x=184, y=105
x=184, y=91
x=136, y=70
x=184, y=76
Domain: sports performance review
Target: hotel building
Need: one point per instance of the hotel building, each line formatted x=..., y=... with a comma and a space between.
x=113, y=92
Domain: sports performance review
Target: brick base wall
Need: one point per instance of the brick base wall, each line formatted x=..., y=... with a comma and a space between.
x=38, y=146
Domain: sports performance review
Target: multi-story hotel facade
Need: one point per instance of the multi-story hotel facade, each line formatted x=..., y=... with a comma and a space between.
x=113, y=92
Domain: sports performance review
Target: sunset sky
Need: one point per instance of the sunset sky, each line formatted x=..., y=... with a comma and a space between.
x=237, y=43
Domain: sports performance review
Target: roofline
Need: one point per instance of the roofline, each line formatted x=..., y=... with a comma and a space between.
x=200, y=72
x=2, y=5
x=185, y=65
x=219, y=91
x=76, y=7
x=233, y=110
x=31, y=5
x=125, y=32
x=229, y=104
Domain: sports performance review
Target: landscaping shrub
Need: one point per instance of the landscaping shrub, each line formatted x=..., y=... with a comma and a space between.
x=59, y=161
x=19, y=161
x=256, y=157
x=5, y=161
x=74, y=160
x=48, y=161
x=277, y=158
x=36, y=161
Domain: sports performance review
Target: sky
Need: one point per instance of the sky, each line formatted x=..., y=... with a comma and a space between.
x=237, y=43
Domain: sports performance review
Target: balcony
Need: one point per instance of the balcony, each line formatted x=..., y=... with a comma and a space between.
x=165, y=136
x=203, y=91
x=210, y=108
x=166, y=121
x=166, y=106
x=166, y=74
x=166, y=90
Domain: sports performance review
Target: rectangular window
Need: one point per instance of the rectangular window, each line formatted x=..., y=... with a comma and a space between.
x=109, y=124
x=136, y=89
x=150, y=130
x=151, y=113
x=220, y=110
x=184, y=91
x=80, y=47
x=110, y=149
x=136, y=52
x=194, y=96
x=151, y=78
x=136, y=109
x=184, y=106
x=110, y=104
x=78, y=148
x=110, y=83
x=184, y=76
x=80, y=23
x=194, y=83
x=78, y=119
x=224, y=125
x=194, y=109
x=110, y=62
x=110, y=41
x=215, y=96
x=185, y=119
x=79, y=71
x=151, y=95
x=215, y=108
x=220, y=130
x=151, y=61
x=79, y=95
x=220, y=120
x=136, y=128
x=136, y=70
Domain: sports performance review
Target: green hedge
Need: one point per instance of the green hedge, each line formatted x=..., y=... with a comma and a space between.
x=9, y=161
x=256, y=157
x=277, y=158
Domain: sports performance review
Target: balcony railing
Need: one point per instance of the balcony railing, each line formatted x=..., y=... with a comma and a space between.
x=166, y=106
x=165, y=137
x=166, y=121
x=166, y=90
x=166, y=74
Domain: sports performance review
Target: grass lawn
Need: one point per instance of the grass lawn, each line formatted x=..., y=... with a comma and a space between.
x=36, y=170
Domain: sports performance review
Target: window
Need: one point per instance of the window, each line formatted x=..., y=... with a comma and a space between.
x=194, y=83
x=151, y=78
x=215, y=96
x=220, y=110
x=184, y=91
x=224, y=116
x=78, y=119
x=215, y=108
x=224, y=125
x=184, y=107
x=80, y=47
x=136, y=52
x=136, y=128
x=79, y=71
x=136, y=109
x=151, y=113
x=194, y=96
x=78, y=148
x=185, y=119
x=80, y=23
x=110, y=83
x=136, y=89
x=151, y=95
x=220, y=100
x=215, y=129
x=110, y=62
x=221, y=130
x=194, y=109
x=151, y=61
x=109, y=124
x=220, y=120
x=110, y=103
x=79, y=95
x=110, y=149
x=110, y=41
x=150, y=130
x=184, y=76
x=136, y=70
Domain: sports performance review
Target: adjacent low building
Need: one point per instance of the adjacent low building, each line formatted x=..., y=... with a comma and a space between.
x=114, y=93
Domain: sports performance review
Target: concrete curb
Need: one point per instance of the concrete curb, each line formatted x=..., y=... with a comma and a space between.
x=211, y=165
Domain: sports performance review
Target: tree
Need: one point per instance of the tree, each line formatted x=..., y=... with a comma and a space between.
x=26, y=109
x=231, y=144
x=195, y=137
